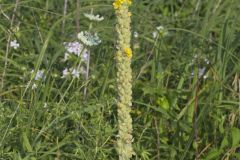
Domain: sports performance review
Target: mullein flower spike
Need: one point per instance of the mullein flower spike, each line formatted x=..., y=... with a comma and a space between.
x=124, y=79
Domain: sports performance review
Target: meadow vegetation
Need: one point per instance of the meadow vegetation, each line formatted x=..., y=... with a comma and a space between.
x=58, y=80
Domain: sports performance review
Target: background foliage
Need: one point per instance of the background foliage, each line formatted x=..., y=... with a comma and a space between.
x=178, y=113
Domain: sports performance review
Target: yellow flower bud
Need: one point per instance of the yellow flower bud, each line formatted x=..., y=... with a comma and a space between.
x=128, y=52
x=118, y=3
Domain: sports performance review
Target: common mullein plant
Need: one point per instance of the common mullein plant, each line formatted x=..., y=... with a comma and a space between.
x=124, y=78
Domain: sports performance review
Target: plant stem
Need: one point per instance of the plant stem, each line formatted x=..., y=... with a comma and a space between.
x=78, y=16
x=124, y=82
x=8, y=43
x=64, y=15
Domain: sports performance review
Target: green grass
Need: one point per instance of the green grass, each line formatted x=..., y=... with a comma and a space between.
x=55, y=121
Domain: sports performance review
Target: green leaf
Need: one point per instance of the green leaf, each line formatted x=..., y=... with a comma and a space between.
x=26, y=143
x=221, y=125
x=163, y=102
x=213, y=154
x=235, y=137
x=224, y=142
x=152, y=90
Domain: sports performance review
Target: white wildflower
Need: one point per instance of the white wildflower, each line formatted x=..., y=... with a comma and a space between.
x=73, y=48
x=14, y=44
x=94, y=17
x=161, y=31
x=206, y=61
x=75, y=73
x=159, y=28
x=39, y=75
x=85, y=56
x=135, y=34
x=65, y=73
x=89, y=39
x=34, y=86
x=201, y=73
x=154, y=34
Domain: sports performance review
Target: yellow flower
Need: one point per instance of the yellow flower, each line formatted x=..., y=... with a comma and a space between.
x=128, y=52
x=118, y=3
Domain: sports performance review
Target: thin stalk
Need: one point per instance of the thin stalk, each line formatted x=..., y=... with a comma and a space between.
x=8, y=43
x=78, y=16
x=158, y=137
x=87, y=75
x=197, y=6
x=64, y=15
x=88, y=66
x=195, y=124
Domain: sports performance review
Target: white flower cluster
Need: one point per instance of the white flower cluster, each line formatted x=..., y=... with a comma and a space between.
x=89, y=39
x=75, y=48
x=93, y=17
x=74, y=72
x=14, y=44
